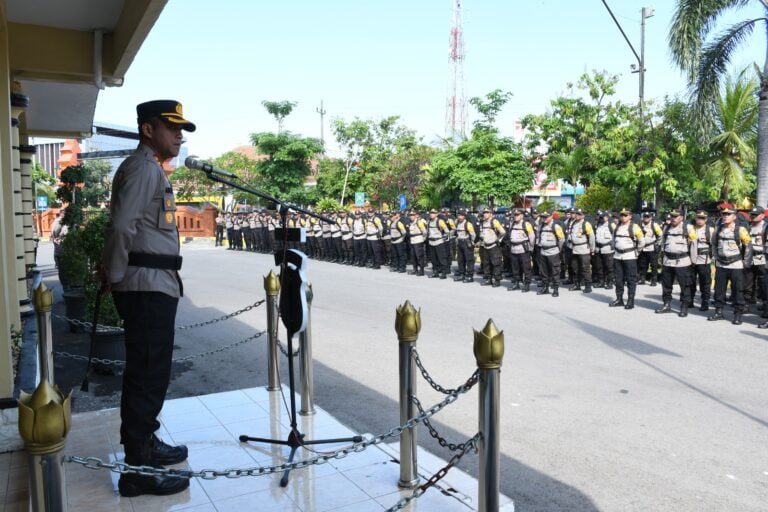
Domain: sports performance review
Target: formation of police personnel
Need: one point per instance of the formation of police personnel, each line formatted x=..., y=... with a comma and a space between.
x=614, y=250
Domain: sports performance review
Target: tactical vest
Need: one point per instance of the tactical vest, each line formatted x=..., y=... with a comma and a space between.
x=372, y=229
x=436, y=235
x=394, y=230
x=461, y=230
x=518, y=233
x=546, y=239
x=757, y=232
x=729, y=246
x=416, y=231
x=676, y=243
x=603, y=236
x=624, y=238
x=490, y=236
x=358, y=229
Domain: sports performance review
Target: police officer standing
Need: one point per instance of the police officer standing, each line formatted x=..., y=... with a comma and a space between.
x=438, y=243
x=398, y=234
x=754, y=271
x=702, y=264
x=466, y=236
x=732, y=246
x=678, y=245
x=521, y=240
x=581, y=235
x=649, y=256
x=492, y=232
x=417, y=235
x=549, y=239
x=219, y=229
x=604, y=250
x=627, y=243
x=140, y=264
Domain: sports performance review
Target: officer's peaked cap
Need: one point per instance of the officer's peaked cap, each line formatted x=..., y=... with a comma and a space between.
x=168, y=110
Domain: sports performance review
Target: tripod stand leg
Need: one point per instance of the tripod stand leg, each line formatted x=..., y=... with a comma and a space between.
x=287, y=472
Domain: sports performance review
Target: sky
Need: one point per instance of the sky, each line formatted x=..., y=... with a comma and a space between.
x=371, y=59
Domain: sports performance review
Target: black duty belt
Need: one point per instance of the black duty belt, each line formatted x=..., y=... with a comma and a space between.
x=702, y=250
x=624, y=251
x=161, y=261
x=727, y=260
x=675, y=256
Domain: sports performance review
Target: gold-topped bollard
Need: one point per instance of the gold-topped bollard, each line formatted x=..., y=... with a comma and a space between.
x=305, y=362
x=42, y=299
x=45, y=418
x=489, y=352
x=407, y=326
x=272, y=287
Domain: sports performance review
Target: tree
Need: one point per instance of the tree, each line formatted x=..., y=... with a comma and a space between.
x=97, y=184
x=352, y=138
x=706, y=60
x=43, y=182
x=189, y=183
x=286, y=166
x=279, y=110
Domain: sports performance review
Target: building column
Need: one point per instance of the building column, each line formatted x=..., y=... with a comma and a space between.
x=28, y=206
x=19, y=103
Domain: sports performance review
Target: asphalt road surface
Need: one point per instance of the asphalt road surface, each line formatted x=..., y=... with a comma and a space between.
x=601, y=408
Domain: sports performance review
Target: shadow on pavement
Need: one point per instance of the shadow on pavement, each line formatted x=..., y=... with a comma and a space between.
x=370, y=411
x=632, y=346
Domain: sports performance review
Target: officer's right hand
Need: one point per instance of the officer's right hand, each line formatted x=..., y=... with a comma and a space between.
x=106, y=286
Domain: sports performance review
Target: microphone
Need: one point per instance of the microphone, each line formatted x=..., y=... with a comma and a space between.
x=193, y=162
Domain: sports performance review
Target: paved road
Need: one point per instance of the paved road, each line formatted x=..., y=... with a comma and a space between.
x=602, y=409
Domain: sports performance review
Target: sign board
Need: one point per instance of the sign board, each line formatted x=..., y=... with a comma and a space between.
x=42, y=203
x=359, y=198
x=403, y=202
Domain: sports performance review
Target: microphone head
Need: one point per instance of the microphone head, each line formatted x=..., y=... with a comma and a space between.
x=192, y=162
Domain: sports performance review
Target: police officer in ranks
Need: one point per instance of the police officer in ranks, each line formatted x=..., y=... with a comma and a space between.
x=417, y=236
x=445, y=214
x=492, y=232
x=521, y=239
x=358, y=238
x=238, y=226
x=627, y=243
x=347, y=252
x=373, y=231
x=385, y=242
x=603, y=258
x=317, y=230
x=754, y=272
x=536, y=221
x=649, y=256
x=219, y=229
x=272, y=223
x=140, y=264
x=325, y=237
x=229, y=223
x=731, y=246
x=466, y=237
x=505, y=246
x=245, y=231
x=398, y=234
x=702, y=264
x=438, y=242
x=550, y=239
x=335, y=229
x=567, y=253
x=582, y=238
x=258, y=233
x=679, y=250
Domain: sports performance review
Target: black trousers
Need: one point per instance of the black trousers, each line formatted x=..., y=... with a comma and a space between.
x=683, y=276
x=603, y=267
x=347, y=250
x=521, y=267
x=465, y=257
x=646, y=259
x=493, y=263
x=566, y=266
x=149, y=319
x=581, y=268
x=439, y=257
x=219, y=235
x=549, y=269
x=754, y=283
x=399, y=257
x=247, y=238
x=337, y=249
x=625, y=272
x=374, y=252
x=231, y=237
x=702, y=275
x=736, y=277
x=361, y=251
x=419, y=256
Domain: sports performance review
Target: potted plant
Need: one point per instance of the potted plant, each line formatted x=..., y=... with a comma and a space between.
x=72, y=265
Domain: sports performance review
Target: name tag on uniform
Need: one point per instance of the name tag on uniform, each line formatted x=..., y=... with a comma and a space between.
x=167, y=218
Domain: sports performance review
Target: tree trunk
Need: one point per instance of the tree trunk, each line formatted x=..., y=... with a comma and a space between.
x=762, y=146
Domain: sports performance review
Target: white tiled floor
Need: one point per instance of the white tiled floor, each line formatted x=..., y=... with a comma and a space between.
x=210, y=426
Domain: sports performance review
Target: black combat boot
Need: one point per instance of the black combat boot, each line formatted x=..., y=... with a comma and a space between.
x=665, y=308
x=443, y=276
x=717, y=316
x=486, y=282
x=736, y=318
x=653, y=281
x=515, y=286
x=496, y=283
x=704, y=305
x=555, y=291
x=543, y=291
x=588, y=287
x=163, y=454
x=630, y=302
x=574, y=288
x=469, y=279
x=458, y=277
x=618, y=302
x=526, y=287
x=763, y=325
x=683, y=311
x=420, y=272
x=133, y=484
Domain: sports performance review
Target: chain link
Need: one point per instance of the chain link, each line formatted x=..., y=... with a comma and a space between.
x=285, y=351
x=211, y=474
x=119, y=362
x=467, y=446
x=437, y=387
x=433, y=432
x=112, y=328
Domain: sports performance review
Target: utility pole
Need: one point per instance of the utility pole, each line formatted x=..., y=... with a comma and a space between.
x=645, y=13
x=322, y=113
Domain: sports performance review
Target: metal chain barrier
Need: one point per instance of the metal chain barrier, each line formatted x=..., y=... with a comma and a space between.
x=118, y=362
x=424, y=373
x=211, y=474
x=112, y=328
x=285, y=350
x=467, y=446
x=433, y=432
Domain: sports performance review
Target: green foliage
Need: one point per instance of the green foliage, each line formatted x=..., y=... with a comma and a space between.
x=489, y=107
x=189, y=183
x=597, y=197
x=96, y=182
x=279, y=110
x=327, y=204
x=43, y=182
x=546, y=204
x=69, y=192
x=287, y=165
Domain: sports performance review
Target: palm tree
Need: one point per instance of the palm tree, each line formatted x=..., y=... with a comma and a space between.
x=706, y=61
x=731, y=148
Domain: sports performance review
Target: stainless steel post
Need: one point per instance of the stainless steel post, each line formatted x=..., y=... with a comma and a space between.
x=407, y=325
x=272, y=287
x=43, y=301
x=47, y=486
x=489, y=351
x=305, y=354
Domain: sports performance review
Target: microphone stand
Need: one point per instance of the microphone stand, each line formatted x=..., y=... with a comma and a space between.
x=296, y=439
